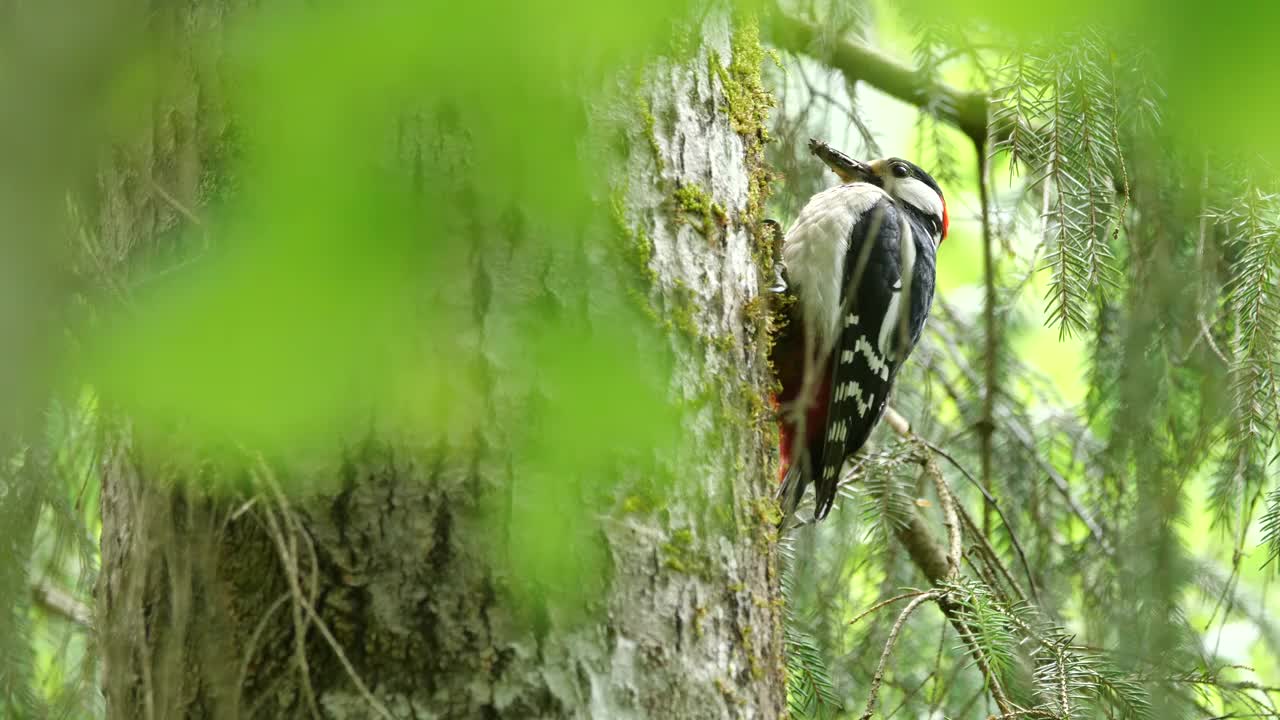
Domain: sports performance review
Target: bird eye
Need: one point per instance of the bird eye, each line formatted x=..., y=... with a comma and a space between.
x=900, y=170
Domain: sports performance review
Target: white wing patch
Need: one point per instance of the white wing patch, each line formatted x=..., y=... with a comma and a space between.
x=814, y=252
x=889, y=324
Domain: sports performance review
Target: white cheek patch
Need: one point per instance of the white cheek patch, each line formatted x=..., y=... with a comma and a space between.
x=913, y=192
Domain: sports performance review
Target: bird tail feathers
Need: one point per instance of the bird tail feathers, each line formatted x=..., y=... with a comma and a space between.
x=791, y=492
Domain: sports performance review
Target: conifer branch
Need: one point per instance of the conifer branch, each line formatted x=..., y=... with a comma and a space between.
x=61, y=603
x=878, y=678
x=966, y=110
x=986, y=425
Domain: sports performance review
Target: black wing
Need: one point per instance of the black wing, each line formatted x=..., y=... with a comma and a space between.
x=867, y=355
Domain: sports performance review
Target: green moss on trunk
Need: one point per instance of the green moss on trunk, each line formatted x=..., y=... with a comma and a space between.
x=749, y=104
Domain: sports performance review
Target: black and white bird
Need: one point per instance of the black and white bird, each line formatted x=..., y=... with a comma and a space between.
x=859, y=262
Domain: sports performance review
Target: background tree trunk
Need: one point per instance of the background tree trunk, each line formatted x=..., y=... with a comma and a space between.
x=387, y=591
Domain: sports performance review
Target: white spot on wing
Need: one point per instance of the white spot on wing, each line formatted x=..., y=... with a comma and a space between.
x=889, y=323
x=874, y=360
x=851, y=390
x=836, y=431
x=892, y=319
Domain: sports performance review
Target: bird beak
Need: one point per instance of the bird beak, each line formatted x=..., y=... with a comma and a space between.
x=848, y=169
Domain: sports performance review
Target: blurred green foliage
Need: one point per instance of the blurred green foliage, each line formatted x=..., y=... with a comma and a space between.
x=296, y=328
x=363, y=166
x=381, y=153
x=1214, y=61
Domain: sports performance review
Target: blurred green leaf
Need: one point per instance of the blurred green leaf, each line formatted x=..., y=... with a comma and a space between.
x=302, y=323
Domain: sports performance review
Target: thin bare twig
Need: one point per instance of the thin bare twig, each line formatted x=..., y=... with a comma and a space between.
x=251, y=645
x=173, y=202
x=305, y=604
x=878, y=678
x=288, y=560
x=890, y=601
x=61, y=603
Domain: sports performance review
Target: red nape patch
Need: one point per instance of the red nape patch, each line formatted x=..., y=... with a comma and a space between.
x=946, y=222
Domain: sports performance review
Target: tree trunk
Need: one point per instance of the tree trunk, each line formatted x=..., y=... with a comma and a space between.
x=389, y=590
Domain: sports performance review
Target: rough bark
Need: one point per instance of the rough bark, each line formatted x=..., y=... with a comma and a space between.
x=382, y=594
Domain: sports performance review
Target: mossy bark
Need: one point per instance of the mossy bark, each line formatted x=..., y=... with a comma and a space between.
x=382, y=594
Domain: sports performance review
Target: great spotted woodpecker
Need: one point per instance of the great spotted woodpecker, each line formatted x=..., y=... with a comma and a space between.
x=859, y=263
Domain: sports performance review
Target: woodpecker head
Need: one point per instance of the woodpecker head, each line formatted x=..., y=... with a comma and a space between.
x=905, y=181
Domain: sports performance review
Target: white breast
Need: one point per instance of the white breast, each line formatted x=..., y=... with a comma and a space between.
x=814, y=252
